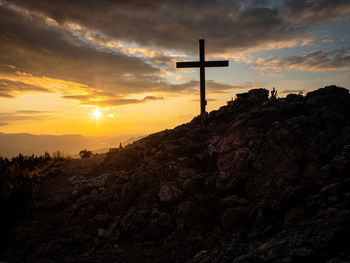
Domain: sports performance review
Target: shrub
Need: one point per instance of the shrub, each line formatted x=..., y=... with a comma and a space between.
x=18, y=185
x=85, y=154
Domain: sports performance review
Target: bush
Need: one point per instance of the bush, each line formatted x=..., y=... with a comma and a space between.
x=18, y=185
x=85, y=154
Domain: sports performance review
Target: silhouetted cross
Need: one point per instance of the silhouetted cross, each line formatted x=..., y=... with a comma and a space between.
x=202, y=64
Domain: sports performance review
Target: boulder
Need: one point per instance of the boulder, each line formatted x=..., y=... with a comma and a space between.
x=169, y=193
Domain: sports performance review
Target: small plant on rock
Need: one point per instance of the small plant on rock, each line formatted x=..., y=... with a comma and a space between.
x=273, y=94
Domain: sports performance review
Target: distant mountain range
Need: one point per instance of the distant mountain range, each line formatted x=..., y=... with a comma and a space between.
x=27, y=144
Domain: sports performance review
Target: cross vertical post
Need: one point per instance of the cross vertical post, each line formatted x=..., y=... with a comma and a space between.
x=202, y=64
x=202, y=75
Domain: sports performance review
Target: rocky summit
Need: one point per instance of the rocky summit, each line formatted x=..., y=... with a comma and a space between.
x=259, y=180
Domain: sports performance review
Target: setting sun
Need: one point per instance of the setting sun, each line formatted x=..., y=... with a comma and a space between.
x=97, y=113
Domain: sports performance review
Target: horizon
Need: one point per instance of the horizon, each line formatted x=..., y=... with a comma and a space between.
x=67, y=70
x=11, y=145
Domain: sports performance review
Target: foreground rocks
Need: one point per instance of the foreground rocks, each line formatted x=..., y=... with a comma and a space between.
x=256, y=181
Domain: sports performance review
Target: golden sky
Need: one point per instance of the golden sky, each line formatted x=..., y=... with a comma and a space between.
x=108, y=67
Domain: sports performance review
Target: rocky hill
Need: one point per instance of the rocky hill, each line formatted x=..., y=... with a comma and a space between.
x=259, y=180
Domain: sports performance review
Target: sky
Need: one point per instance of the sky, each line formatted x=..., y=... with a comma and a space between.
x=109, y=67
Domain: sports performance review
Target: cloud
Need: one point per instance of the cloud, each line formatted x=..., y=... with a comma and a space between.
x=338, y=59
x=211, y=87
x=47, y=52
x=3, y=123
x=176, y=24
x=192, y=87
x=326, y=39
x=86, y=100
x=32, y=112
x=41, y=49
x=131, y=48
x=208, y=99
x=152, y=98
x=8, y=117
x=10, y=89
x=302, y=90
x=119, y=102
x=187, y=88
x=81, y=98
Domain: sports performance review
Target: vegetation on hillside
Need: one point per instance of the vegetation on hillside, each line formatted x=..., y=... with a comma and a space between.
x=19, y=178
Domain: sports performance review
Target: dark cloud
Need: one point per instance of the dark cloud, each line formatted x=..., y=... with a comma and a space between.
x=177, y=24
x=9, y=88
x=3, y=123
x=338, y=59
x=321, y=60
x=32, y=46
x=152, y=98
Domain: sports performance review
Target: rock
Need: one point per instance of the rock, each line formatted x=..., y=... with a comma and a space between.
x=169, y=193
x=234, y=218
x=294, y=97
x=331, y=90
x=182, y=212
x=255, y=96
x=53, y=248
x=81, y=237
x=102, y=218
x=340, y=164
x=331, y=191
x=229, y=181
x=346, y=152
x=326, y=171
x=234, y=201
x=158, y=225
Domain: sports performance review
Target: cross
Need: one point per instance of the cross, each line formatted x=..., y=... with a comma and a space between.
x=202, y=64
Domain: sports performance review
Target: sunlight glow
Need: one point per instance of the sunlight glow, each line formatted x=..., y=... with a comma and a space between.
x=97, y=113
x=113, y=115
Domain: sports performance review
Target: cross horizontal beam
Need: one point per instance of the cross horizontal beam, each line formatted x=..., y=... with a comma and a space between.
x=198, y=64
x=202, y=64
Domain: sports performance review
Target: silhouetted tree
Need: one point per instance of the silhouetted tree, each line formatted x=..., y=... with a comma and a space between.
x=85, y=154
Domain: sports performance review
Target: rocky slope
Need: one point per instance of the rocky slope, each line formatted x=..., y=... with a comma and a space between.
x=259, y=180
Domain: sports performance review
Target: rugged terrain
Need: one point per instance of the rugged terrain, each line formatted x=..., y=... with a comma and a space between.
x=259, y=180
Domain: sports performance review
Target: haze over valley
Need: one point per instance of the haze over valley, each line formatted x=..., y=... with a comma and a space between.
x=28, y=144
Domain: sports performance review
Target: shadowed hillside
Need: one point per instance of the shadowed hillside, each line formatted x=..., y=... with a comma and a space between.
x=259, y=180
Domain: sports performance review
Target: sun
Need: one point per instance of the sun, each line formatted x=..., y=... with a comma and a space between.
x=97, y=113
